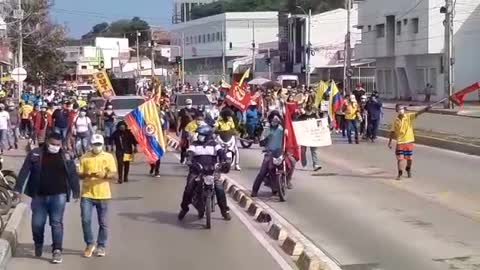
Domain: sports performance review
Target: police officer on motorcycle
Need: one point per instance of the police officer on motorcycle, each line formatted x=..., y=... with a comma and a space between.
x=208, y=153
x=273, y=143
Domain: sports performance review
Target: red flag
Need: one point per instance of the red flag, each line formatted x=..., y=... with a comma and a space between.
x=459, y=97
x=238, y=97
x=291, y=145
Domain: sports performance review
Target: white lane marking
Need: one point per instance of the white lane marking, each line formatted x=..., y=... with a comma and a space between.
x=259, y=236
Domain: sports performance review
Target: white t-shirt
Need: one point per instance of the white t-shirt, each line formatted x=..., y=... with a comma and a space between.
x=4, y=117
x=82, y=123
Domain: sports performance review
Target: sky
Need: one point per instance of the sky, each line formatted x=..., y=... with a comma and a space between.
x=80, y=15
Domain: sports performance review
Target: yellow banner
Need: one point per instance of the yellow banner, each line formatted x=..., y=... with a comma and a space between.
x=104, y=87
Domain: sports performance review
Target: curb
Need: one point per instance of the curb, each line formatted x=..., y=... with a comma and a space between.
x=437, y=111
x=9, y=239
x=440, y=143
x=300, y=252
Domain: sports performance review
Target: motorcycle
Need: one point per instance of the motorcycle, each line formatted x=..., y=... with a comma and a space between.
x=246, y=139
x=204, y=196
x=276, y=177
x=8, y=197
x=227, y=141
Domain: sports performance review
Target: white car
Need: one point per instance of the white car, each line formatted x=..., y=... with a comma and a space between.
x=85, y=90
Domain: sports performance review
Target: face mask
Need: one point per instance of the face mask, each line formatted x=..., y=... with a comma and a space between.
x=189, y=106
x=274, y=124
x=401, y=111
x=201, y=138
x=44, y=110
x=11, y=108
x=97, y=149
x=53, y=149
x=83, y=114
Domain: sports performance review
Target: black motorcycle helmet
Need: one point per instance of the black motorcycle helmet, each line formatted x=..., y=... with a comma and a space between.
x=226, y=113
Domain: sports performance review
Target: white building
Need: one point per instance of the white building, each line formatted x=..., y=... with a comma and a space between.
x=230, y=34
x=112, y=48
x=182, y=9
x=407, y=40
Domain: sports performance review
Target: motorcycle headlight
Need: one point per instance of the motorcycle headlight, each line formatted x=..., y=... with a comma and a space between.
x=209, y=180
x=1, y=160
x=277, y=161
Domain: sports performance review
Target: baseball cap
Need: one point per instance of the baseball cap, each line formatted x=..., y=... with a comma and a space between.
x=188, y=101
x=97, y=139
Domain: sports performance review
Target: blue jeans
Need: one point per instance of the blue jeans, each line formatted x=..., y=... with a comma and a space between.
x=4, y=139
x=86, y=206
x=109, y=129
x=52, y=207
x=352, y=125
x=63, y=132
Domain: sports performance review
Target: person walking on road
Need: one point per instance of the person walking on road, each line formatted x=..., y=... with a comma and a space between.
x=402, y=132
x=50, y=178
x=125, y=146
x=97, y=168
x=82, y=130
x=352, y=112
x=4, y=125
x=25, y=124
x=374, y=114
x=14, y=126
x=307, y=114
x=60, y=121
x=108, y=126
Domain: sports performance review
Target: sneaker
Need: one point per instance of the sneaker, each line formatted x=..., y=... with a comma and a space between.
x=57, y=256
x=182, y=214
x=237, y=168
x=317, y=168
x=89, y=251
x=157, y=175
x=226, y=215
x=151, y=172
x=101, y=252
x=289, y=185
x=39, y=251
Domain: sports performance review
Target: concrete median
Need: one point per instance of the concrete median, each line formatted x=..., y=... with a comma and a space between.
x=9, y=239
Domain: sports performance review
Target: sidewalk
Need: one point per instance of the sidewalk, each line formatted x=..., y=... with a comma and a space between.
x=471, y=109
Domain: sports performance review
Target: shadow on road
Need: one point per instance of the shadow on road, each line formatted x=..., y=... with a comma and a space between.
x=27, y=251
x=191, y=222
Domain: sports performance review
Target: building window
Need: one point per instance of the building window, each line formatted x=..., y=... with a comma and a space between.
x=369, y=28
x=399, y=28
x=203, y=38
x=380, y=30
x=218, y=36
x=421, y=76
x=405, y=21
x=415, y=25
x=95, y=67
x=84, y=67
x=199, y=38
x=381, y=82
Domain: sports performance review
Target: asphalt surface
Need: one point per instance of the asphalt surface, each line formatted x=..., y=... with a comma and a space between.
x=145, y=233
x=357, y=213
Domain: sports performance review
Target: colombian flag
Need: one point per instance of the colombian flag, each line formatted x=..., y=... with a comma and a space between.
x=336, y=100
x=145, y=124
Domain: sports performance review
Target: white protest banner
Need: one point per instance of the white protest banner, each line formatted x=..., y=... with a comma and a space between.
x=312, y=133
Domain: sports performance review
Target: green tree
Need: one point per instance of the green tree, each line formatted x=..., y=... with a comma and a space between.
x=42, y=40
x=121, y=28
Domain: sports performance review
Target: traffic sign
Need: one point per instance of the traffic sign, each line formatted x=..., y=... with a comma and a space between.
x=350, y=72
x=19, y=74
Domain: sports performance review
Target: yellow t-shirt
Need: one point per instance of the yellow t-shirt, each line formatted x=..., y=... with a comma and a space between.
x=93, y=187
x=351, y=111
x=191, y=127
x=25, y=111
x=403, y=128
x=223, y=125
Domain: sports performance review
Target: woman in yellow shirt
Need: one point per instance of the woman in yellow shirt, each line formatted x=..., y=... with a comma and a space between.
x=225, y=124
x=351, y=110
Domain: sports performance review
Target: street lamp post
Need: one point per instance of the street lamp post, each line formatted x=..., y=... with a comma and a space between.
x=308, y=49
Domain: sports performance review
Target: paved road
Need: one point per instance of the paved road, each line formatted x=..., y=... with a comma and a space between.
x=145, y=233
x=356, y=212
x=441, y=123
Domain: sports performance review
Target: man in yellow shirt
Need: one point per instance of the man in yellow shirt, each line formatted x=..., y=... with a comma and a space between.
x=97, y=168
x=25, y=122
x=402, y=132
x=352, y=110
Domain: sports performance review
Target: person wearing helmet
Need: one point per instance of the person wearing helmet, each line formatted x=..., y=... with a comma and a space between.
x=252, y=120
x=185, y=117
x=226, y=124
x=206, y=152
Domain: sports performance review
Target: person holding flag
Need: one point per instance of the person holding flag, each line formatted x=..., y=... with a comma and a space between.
x=402, y=132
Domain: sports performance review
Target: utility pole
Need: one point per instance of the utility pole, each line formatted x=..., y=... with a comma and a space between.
x=308, y=49
x=448, y=57
x=20, y=42
x=269, y=65
x=223, y=51
x=253, y=48
x=138, y=53
x=348, y=52
x=152, y=43
x=183, y=58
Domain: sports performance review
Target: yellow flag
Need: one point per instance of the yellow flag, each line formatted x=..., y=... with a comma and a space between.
x=321, y=88
x=244, y=77
x=104, y=87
